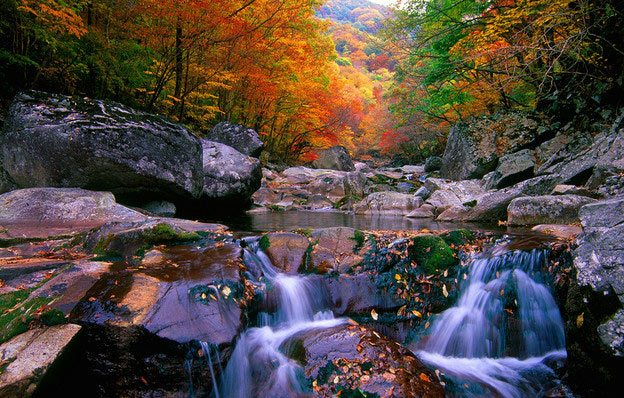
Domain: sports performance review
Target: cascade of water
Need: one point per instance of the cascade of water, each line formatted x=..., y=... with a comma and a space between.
x=504, y=309
x=257, y=356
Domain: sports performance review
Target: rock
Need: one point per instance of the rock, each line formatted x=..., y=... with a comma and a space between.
x=448, y=194
x=388, y=203
x=474, y=146
x=433, y=163
x=491, y=179
x=121, y=239
x=515, y=167
x=350, y=294
x=52, y=140
x=559, y=230
x=563, y=189
x=6, y=182
x=30, y=354
x=265, y=196
x=160, y=208
x=421, y=212
x=335, y=356
x=453, y=213
x=612, y=186
x=230, y=178
x=334, y=158
x=595, y=300
x=533, y=210
x=550, y=147
x=43, y=212
x=185, y=294
x=244, y=139
x=285, y=250
x=423, y=193
x=579, y=142
x=305, y=175
x=412, y=169
x=492, y=206
x=405, y=186
x=355, y=184
x=443, y=199
x=361, y=167
x=318, y=201
x=332, y=186
x=606, y=152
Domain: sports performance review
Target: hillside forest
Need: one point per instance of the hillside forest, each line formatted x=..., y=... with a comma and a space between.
x=385, y=82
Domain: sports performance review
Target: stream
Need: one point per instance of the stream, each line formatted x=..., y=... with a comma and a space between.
x=502, y=338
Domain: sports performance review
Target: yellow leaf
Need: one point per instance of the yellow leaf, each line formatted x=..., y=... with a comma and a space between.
x=580, y=320
x=226, y=291
x=416, y=313
x=374, y=314
x=397, y=277
x=444, y=291
x=203, y=295
x=336, y=380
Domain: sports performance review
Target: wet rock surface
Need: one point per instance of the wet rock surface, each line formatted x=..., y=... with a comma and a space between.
x=351, y=357
x=244, y=139
x=56, y=141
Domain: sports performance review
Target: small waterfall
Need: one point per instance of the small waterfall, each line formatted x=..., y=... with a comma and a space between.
x=256, y=356
x=504, y=331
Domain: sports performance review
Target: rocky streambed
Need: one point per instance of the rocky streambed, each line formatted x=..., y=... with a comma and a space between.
x=148, y=306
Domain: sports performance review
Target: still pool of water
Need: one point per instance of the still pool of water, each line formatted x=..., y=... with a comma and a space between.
x=289, y=220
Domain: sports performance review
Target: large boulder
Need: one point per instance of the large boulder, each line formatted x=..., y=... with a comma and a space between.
x=230, y=177
x=549, y=209
x=335, y=158
x=43, y=212
x=286, y=250
x=433, y=163
x=243, y=139
x=388, y=203
x=576, y=165
x=351, y=358
x=595, y=301
x=474, y=146
x=57, y=141
x=29, y=355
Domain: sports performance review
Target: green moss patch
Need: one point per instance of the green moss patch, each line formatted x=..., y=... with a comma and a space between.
x=359, y=238
x=264, y=243
x=432, y=253
x=458, y=237
x=164, y=233
x=344, y=200
x=16, y=318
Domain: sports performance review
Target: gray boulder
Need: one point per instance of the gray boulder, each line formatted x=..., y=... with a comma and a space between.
x=57, y=141
x=160, y=208
x=335, y=158
x=534, y=210
x=474, y=146
x=433, y=163
x=515, y=167
x=230, y=177
x=388, y=203
x=244, y=139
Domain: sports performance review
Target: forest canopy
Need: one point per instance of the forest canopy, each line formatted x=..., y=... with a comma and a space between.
x=310, y=73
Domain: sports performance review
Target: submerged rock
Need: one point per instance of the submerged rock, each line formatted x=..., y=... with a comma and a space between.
x=52, y=140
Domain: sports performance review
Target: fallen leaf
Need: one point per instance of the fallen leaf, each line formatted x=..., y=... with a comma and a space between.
x=579, y=320
x=444, y=291
x=374, y=314
x=424, y=377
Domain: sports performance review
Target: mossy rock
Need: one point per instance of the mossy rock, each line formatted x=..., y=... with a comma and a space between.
x=432, y=253
x=458, y=237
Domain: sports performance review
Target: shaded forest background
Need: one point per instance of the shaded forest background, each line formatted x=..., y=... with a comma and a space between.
x=306, y=74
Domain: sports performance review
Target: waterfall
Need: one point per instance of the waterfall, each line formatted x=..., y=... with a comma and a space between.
x=256, y=356
x=503, y=333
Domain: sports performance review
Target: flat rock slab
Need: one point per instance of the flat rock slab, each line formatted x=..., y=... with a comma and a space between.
x=31, y=354
x=550, y=209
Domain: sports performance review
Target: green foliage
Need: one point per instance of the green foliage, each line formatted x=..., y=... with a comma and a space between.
x=163, y=233
x=458, y=237
x=360, y=239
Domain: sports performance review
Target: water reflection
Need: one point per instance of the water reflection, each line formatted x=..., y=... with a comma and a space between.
x=289, y=220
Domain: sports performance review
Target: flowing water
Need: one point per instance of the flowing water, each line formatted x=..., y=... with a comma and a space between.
x=503, y=335
x=257, y=367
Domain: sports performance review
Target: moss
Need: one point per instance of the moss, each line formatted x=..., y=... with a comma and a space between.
x=18, y=241
x=458, y=237
x=275, y=208
x=53, y=317
x=264, y=243
x=296, y=350
x=359, y=238
x=431, y=253
x=101, y=247
x=204, y=293
x=162, y=233
x=302, y=231
x=471, y=203
x=307, y=260
x=17, y=319
x=325, y=373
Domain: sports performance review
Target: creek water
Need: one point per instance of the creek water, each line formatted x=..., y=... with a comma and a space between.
x=505, y=333
x=502, y=338
x=257, y=367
